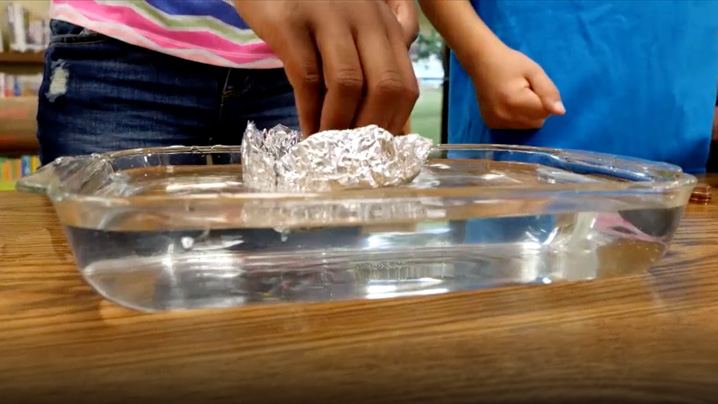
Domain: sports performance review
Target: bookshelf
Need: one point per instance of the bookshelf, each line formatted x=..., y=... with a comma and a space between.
x=24, y=33
x=17, y=118
x=29, y=59
x=17, y=139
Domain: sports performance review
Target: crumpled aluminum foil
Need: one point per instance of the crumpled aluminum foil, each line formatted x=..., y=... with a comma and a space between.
x=261, y=151
x=369, y=157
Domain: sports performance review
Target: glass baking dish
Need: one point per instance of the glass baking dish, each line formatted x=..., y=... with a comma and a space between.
x=174, y=228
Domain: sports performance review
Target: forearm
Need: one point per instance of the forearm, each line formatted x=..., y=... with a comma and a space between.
x=463, y=30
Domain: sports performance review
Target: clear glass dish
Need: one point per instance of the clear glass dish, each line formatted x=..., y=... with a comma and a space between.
x=174, y=228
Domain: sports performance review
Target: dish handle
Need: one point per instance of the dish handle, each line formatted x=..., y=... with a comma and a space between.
x=60, y=171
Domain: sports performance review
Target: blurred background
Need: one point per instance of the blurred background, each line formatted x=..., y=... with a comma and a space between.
x=428, y=58
x=23, y=37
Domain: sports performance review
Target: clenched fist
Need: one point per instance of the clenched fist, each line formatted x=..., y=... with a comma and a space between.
x=514, y=92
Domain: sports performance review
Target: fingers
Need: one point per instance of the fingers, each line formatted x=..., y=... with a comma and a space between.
x=527, y=105
x=391, y=88
x=347, y=61
x=303, y=71
x=383, y=80
x=529, y=109
x=514, y=107
x=369, y=76
x=407, y=14
x=407, y=99
x=343, y=78
x=546, y=91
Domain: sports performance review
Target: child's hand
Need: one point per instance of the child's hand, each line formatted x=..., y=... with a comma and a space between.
x=408, y=16
x=513, y=91
x=347, y=60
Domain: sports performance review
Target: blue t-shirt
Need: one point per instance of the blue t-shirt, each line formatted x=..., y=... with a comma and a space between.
x=638, y=78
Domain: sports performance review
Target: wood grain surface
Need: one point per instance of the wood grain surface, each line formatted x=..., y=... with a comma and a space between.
x=648, y=338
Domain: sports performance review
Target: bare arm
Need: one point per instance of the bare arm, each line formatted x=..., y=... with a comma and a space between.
x=457, y=21
x=512, y=90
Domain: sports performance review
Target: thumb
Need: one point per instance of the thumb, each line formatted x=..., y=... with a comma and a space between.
x=546, y=91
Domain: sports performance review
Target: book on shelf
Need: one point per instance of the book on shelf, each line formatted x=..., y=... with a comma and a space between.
x=26, y=32
x=19, y=85
x=13, y=168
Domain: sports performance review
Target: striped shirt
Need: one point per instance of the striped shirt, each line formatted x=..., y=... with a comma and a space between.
x=205, y=31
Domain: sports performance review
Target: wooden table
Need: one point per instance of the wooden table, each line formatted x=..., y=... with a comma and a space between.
x=650, y=338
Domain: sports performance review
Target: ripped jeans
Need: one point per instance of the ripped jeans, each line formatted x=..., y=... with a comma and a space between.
x=99, y=94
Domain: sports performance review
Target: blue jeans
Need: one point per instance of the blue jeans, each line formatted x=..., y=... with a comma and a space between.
x=99, y=94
